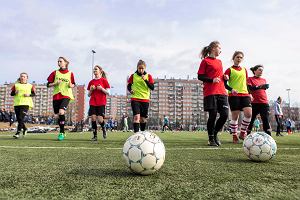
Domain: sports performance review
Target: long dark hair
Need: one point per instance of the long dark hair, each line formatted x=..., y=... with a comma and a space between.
x=253, y=69
x=141, y=62
x=19, y=79
x=207, y=50
x=237, y=53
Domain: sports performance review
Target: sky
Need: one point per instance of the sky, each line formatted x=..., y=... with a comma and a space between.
x=167, y=34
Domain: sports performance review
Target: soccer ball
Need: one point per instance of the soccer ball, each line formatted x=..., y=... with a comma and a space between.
x=259, y=147
x=144, y=153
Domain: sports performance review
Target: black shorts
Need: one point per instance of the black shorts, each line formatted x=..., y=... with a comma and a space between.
x=140, y=108
x=215, y=102
x=60, y=104
x=97, y=110
x=239, y=102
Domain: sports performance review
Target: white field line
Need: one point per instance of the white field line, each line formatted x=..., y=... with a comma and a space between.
x=110, y=148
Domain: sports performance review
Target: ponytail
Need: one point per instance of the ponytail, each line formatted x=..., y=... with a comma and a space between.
x=207, y=50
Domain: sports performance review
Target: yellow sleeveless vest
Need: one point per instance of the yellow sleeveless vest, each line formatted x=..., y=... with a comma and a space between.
x=63, y=87
x=19, y=99
x=238, y=80
x=140, y=88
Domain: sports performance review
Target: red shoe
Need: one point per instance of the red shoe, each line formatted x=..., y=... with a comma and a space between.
x=235, y=139
x=242, y=135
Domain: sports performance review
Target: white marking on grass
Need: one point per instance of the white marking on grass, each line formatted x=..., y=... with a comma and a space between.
x=113, y=148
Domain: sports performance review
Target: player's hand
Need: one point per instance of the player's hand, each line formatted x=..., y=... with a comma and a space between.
x=17, y=91
x=92, y=88
x=251, y=97
x=131, y=92
x=26, y=95
x=58, y=82
x=226, y=77
x=71, y=85
x=234, y=92
x=143, y=77
x=99, y=87
x=216, y=80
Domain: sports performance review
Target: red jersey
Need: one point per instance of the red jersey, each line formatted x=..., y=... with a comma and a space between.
x=212, y=68
x=98, y=98
x=260, y=95
x=228, y=73
x=51, y=79
x=151, y=81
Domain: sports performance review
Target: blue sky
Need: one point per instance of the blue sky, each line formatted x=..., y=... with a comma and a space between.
x=167, y=34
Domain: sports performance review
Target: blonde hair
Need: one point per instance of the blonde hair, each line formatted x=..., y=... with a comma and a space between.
x=207, y=50
x=66, y=61
x=102, y=71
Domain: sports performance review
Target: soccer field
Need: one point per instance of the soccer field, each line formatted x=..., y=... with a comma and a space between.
x=40, y=167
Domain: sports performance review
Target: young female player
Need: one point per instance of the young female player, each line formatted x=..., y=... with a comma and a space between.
x=260, y=104
x=215, y=95
x=23, y=93
x=63, y=81
x=239, y=97
x=98, y=89
x=139, y=85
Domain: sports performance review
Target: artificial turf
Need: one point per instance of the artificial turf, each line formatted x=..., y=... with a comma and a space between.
x=40, y=167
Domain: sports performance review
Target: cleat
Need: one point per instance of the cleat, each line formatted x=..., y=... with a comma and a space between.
x=235, y=139
x=16, y=136
x=212, y=143
x=60, y=137
x=94, y=139
x=242, y=135
x=217, y=141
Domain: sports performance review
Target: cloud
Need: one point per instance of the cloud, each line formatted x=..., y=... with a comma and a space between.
x=168, y=35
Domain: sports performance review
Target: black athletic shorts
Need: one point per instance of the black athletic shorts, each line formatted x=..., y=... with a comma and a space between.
x=60, y=104
x=215, y=102
x=97, y=110
x=140, y=108
x=239, y=102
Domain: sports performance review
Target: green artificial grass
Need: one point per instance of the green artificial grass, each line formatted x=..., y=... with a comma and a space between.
x=40, y=167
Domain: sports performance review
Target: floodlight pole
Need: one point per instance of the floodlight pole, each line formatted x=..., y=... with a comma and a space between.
x=93, y=52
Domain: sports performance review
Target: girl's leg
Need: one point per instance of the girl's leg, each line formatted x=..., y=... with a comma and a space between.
x=102, y=124
x=246, y=121
x=94, y=126
x=136, y=123
x=212, y=115
x=264, y=114
x=234, y=125
x=255, y=111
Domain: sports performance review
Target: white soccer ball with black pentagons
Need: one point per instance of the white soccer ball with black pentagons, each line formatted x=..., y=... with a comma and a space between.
x=144, y=153
x=259, y=147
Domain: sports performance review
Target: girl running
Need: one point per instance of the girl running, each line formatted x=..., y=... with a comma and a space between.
x=215, y=95
x=260, y=104
x=23, y=93
x=239, y=97
x=98, y=89
x=139, y=85
x=63, y=81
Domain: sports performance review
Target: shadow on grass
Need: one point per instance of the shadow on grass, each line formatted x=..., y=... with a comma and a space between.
x=103, y=172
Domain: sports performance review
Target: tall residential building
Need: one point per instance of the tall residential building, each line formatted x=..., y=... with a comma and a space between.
x=179, y=99
x=43, y=101
x=116, y=106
